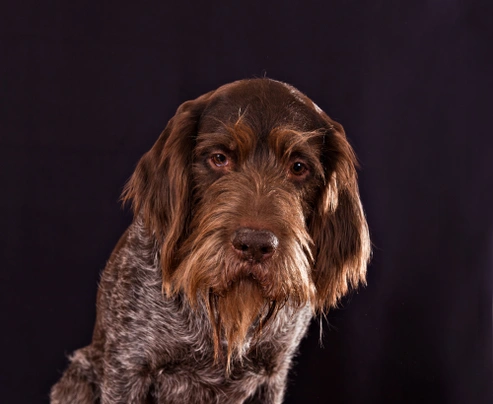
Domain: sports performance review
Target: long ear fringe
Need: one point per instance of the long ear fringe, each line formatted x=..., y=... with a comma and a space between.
x=339, y=228
x=159, y=188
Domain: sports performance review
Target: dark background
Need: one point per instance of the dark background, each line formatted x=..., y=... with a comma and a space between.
x=86, y=88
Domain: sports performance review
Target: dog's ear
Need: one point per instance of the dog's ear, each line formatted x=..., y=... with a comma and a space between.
x=338, y=227
x=160, y=189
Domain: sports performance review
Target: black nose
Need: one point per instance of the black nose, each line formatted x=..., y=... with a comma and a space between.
x=254, y=245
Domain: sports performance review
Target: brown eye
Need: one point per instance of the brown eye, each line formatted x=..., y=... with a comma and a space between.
x=298, y=168
x=219, y=160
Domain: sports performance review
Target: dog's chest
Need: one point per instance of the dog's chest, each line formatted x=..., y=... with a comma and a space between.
x=203, y=385
x=185, y=370
x=189, y=374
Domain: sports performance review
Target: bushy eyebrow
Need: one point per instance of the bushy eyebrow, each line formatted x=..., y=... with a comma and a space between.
x=236, y=137
x=287, y=143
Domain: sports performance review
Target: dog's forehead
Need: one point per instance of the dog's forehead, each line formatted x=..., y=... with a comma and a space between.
x=262, y=104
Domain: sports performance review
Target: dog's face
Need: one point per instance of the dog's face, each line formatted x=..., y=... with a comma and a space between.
x=251, y=190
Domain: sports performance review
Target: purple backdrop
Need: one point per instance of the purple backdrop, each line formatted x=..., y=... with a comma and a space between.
x=87, y=87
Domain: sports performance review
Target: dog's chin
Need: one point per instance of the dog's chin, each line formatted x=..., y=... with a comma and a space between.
x=238, y=313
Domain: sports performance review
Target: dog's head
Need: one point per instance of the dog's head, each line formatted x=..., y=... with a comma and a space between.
x=251, y=191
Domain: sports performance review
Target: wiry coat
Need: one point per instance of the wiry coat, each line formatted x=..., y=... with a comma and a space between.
x=247, y=222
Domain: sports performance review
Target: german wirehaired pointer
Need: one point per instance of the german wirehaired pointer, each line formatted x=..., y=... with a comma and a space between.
x=247, y=222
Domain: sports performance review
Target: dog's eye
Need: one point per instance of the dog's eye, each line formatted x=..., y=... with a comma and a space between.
x=298, y=168
x=219, y=160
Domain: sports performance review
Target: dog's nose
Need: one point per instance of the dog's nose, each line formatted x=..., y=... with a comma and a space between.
x=254, y=245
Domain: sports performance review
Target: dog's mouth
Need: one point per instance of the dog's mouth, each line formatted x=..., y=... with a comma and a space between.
x=253, y=273
x=248, y=277
x=252, y=287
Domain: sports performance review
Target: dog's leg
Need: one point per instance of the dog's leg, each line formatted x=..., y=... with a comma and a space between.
x=78, y=383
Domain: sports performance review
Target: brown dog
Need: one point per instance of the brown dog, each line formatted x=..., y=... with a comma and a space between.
x=247, y=222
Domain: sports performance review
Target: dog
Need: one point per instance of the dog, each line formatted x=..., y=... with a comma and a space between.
x=247, y=223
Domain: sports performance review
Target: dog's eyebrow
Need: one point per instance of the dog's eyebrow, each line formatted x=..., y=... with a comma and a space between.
x=237, y=137
x=288, y=141
x=211, y=140
x=291, y=143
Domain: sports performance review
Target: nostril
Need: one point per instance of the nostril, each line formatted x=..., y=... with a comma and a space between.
x=254, y=245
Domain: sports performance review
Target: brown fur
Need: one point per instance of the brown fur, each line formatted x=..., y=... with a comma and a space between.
x=256, y=155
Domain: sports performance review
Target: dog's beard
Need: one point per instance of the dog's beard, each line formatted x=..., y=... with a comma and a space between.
x=237, y=310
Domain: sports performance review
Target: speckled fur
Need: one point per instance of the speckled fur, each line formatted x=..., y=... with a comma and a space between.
x=154, y=337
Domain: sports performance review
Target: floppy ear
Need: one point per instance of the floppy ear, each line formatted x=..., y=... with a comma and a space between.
x=160, y=188
x=338, y=227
